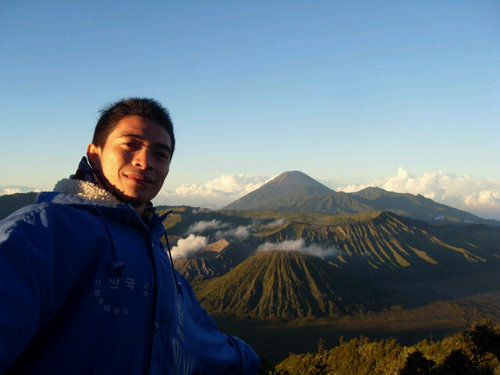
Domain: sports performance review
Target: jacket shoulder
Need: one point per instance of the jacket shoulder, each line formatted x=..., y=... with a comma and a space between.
x=24, y=214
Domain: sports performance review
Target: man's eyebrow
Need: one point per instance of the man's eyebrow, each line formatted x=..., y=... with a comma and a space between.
x=136, y=136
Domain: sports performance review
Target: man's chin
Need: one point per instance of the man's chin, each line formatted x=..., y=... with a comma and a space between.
x=134, y=200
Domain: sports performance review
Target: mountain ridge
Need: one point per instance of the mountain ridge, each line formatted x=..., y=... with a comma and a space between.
x=295, y=191
x=12, y=202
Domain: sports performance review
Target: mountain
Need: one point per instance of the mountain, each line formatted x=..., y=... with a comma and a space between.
x=295, y=191
x=413, y=261
x=416, y=206
x=12, y=202
x=279, y=192
x=382, y=245
x=284, y=285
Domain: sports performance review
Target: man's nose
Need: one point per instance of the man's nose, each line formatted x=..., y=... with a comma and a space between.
x=142, y=159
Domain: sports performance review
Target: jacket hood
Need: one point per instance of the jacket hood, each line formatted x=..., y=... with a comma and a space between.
x=86, y=190
x=85, y=184
x=84, y=187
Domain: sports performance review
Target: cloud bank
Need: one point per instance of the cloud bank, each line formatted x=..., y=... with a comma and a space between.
x=8, y=190
x=241, y=232
x=481, y=197
x=300, y=246
x=478, y=196
x=203, y=226
x=218, y=230
x=275, y=223
x=215, y=193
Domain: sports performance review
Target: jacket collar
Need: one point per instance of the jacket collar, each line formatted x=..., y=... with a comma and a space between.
x=85, y=184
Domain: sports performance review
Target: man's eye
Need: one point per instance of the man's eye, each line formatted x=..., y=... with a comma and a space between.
x=130, y=145
x=162, y=155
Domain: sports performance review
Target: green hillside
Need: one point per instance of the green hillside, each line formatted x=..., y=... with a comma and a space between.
x=283, y=285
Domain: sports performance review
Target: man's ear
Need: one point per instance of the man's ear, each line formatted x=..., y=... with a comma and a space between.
x=93, y=154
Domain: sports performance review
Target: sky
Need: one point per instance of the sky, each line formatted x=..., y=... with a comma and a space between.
x=403, y=95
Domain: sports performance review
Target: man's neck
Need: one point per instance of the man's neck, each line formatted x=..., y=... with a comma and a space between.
x=140, y=210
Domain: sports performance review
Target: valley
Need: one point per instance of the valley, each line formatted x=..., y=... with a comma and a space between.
x=275, y=339
x=297, y=277
x=294, y=262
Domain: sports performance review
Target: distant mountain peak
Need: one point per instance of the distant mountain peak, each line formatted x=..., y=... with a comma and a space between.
x=372, y=188
x=296, y=178
x=288, y=187
x=372, y=192
x=293, y=174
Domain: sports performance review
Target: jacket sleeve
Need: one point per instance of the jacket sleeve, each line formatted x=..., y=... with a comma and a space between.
x=19, y=296
x=220, y=353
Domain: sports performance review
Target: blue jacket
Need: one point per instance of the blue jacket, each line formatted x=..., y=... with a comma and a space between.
x=86, y=287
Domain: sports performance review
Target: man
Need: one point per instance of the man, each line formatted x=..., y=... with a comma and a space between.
x=86, y=286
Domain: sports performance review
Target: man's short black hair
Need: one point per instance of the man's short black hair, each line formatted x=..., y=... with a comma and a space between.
x=144, y=107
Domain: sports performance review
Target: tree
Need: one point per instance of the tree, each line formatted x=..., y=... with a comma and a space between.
x=457, y=363
x=319, y=368
x=417, y=364
x=486, y=341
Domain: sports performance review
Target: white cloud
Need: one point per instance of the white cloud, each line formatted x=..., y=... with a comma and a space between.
x=187, y=247
x=8, y=190
x=229, y=185
x=203, y=225
x=299, y=245
x=223, y=230
x=485, y=200
x=241, y=232
x=215, y=193
x=275, y=223
x=480, y=197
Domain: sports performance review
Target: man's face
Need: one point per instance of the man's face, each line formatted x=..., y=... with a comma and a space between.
x=134, y=161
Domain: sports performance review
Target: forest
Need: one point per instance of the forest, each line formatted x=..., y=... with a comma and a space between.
x=475, y=351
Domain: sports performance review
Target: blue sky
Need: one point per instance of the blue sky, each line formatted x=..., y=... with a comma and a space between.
x=399, y=94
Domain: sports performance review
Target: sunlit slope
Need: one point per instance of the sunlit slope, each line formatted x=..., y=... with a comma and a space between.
x=386, y=242
x=285, y=285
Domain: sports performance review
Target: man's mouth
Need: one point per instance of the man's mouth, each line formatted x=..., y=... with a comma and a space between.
x=140, y=179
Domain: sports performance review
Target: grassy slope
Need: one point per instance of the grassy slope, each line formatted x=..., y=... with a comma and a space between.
x=282, y=285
